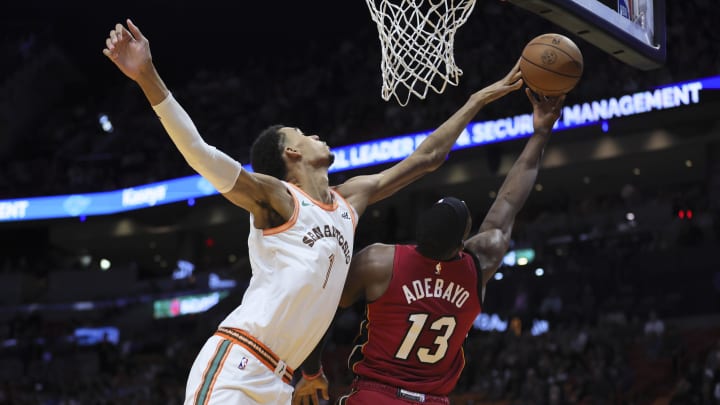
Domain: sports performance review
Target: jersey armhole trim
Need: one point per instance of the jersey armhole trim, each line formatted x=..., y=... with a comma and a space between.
x=290, y=222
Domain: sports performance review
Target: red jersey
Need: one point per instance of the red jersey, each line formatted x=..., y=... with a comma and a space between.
x=412, y=335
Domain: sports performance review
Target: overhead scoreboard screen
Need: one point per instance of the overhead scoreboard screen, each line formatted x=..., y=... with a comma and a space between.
x=633, y=31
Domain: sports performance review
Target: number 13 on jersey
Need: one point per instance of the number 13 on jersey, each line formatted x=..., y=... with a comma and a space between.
x=442, y=329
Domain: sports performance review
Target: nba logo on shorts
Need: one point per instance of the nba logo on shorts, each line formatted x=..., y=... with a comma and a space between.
x=243, y=363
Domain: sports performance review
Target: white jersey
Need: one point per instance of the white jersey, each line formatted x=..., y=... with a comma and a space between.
x=298, y=273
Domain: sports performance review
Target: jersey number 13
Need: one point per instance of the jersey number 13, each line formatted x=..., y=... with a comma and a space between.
x=443, y=329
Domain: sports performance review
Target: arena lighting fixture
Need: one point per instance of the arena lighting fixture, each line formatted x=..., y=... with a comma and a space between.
x=105, y=123
x=85, y=260
x=539, y=326
x=105, y=264
x=184, y=270
x=498, y=276
x=519, y=257
x=539, y=272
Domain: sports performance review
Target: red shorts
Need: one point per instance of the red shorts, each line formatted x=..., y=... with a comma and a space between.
x=366, y=392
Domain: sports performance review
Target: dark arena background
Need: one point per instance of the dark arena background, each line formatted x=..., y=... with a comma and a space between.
x=610, y=293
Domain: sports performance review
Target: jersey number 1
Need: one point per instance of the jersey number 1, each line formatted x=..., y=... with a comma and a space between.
x=424, y=354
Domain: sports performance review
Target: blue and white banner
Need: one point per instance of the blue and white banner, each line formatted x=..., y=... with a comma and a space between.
x=361, y=155
x=110, y=202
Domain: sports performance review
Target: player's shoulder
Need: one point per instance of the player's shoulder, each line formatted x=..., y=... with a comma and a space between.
x=379, y=246
x=372, y=264
x=377, y=250
x=374, y=257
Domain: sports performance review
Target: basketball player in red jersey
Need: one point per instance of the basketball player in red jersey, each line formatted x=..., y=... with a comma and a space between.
x=422, y=299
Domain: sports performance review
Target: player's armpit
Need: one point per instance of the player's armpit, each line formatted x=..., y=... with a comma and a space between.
x=489, y=247
x=258, y=193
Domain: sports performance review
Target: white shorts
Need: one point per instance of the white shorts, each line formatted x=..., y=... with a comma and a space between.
x=228, y=374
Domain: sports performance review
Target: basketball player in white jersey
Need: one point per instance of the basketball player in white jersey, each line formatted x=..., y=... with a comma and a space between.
x=301, y=235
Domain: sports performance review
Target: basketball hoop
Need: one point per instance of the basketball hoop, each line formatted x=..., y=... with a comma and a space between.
x=417, y=39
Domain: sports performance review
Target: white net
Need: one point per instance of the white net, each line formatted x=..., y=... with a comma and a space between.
x=417, y=40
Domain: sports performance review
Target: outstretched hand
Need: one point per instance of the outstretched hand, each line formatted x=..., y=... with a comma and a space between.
x=306, y=391
x=129, y=50
x=546, y=110
x=511, y=82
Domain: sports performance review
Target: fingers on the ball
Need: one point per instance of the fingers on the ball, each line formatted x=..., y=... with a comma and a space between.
x=531, y=95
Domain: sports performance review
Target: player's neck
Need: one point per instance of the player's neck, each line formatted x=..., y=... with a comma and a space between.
x=313, y=181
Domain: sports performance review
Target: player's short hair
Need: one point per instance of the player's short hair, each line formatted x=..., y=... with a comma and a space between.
x=266, y=153
x=440, y=230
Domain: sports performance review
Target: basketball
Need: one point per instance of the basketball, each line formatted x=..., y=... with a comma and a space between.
x=551, y=64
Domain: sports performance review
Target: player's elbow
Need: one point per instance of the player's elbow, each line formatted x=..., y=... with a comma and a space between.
x=432, y=160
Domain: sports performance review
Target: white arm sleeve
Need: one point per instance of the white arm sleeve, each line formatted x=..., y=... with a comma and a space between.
x=215, y=166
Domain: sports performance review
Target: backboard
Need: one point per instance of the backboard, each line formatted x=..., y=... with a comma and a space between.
x=633, y=31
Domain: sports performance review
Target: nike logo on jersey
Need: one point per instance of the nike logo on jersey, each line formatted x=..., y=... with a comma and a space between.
x=305, y=203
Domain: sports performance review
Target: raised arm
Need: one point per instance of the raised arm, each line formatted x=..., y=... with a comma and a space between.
x=364, y=190
x=129, y=50
x=493, y=238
